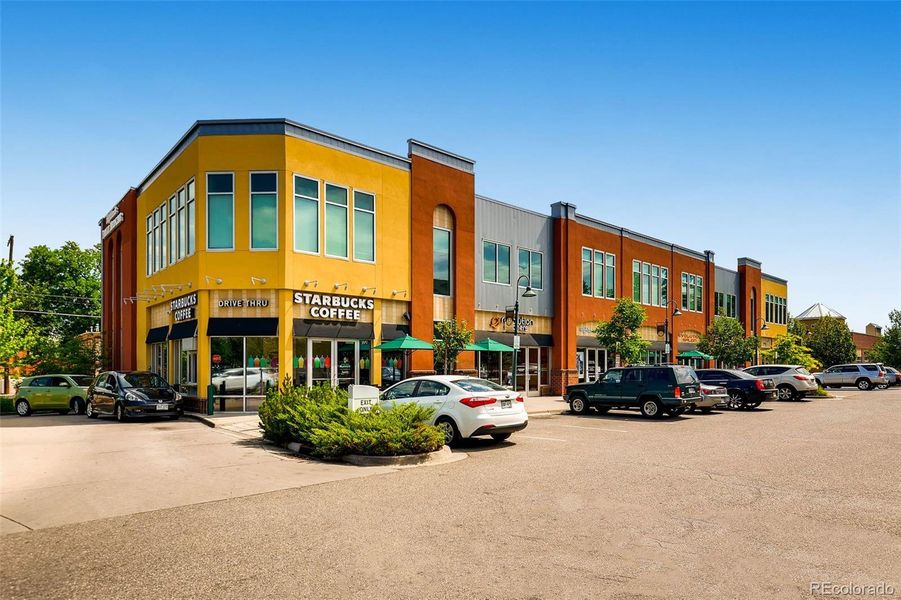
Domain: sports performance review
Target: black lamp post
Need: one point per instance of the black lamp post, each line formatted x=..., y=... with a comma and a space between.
x=666, y=340
x=528, y=293
x=757, y=331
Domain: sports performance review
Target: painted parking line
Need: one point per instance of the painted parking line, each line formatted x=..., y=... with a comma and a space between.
x=535, y=437
x=595, y=428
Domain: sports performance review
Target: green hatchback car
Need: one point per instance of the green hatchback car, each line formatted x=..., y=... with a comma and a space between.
x=60, y=393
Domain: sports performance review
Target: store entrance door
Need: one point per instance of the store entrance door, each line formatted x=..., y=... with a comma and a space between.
x=592, y=363
x=333, y=362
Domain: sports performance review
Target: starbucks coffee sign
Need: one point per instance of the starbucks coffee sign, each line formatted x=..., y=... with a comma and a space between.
x=183, y=308
x=334, y=308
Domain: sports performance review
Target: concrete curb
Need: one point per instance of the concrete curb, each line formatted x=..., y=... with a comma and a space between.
x=442, y=456
x=201, y=418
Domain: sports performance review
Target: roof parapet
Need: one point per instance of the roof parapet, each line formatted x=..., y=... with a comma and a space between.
x=448, y=159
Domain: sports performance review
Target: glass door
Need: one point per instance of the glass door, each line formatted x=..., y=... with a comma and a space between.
x=345, y=358
x=532, y=370
x=320, y=361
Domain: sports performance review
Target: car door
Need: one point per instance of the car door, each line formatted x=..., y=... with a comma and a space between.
x=850, y=373
x=631, y=387
x=832, y=376
x=58, y=393
x=108, y=394
x=39, y=393
x=605, y=390
x=431, y=394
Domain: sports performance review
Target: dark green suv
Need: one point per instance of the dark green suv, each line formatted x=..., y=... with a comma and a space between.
x=654, y=390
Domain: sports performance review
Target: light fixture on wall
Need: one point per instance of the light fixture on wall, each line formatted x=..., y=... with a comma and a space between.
x=256, y=280
x=368, y=289
x=338, y=286
x=309, y=282
x=399, y=292
x=218, y=280
x=406, y=315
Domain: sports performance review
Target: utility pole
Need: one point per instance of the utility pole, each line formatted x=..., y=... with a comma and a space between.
x=10, y=243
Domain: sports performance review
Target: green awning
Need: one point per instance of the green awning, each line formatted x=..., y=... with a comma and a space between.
x=474, y=347
x=407, y=342
x=489, y=345
x=694, y=354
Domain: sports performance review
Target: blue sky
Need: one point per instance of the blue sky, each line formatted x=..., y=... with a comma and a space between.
x=767, y=129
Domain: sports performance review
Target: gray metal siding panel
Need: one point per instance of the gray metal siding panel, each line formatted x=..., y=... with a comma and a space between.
x=498, y=222
x=726, y=282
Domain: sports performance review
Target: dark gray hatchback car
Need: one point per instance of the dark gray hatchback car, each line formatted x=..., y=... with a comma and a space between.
x=655, y=390
x=132, y=394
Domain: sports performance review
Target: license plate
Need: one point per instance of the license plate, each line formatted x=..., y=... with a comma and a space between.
x=506, y=403
x=162, y=407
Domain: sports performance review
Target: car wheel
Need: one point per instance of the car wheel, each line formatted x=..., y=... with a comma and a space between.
x=753, y=405
x=578, y=405
x=651, y=408
x=863, y=384
x=500, y=437
x=89, y=410
x=78, y=406
x=785, y=392
x=449, y=428
x=23, y=409
x=736, y=400
x=120, y=413
x=882, y=386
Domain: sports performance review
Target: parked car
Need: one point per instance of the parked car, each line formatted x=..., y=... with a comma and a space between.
x=892, y=376
x=745, y=391
x=655, y=390
x=863, y=376
x=231, y=381
x=60, y=393
x=132, y=394
x=464, y=406
x=793, y=382
x=711, y=397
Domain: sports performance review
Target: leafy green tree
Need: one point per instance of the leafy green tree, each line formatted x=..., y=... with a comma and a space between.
x=17, y=334
x=620, y=333
x=789, y=349
x=725, y=341
x=63, y=280
x=888, y=349
x=451, y=338
x=830, y=341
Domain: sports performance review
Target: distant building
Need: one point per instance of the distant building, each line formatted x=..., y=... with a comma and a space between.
x=863, y=342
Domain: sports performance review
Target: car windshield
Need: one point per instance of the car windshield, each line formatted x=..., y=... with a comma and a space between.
x=143, y=380
x=82, y=380
x=479, y=385
x=685, y=375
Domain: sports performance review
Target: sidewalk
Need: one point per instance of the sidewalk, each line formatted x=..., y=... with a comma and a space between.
x=247, y=425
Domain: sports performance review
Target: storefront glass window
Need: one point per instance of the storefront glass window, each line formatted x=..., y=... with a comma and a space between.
x=220, y=211
x=243, y=369
x=185, y=364
x=392, y=368
x=263, y=211
x=335, y=221
x=300, y=361
x=159, y=359
x=364, y=226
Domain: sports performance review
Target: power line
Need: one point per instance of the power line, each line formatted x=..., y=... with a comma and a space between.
x=58, y=314
x=56, y=295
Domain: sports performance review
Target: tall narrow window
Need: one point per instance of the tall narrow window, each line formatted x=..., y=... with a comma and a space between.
x=489, y=262
x=586, y=271
x=441, y=256
x=691, y=292
x=645, y=283
x=530, y=264
x=182, y=224
x=503, y=264
x=161, y=259
x=335, y=221
x=149, y=256
x=636, y=281
x=263, y=211
x=611, y=276
x=364, y=226
x=684, y=291
x=699, y=294
x=306, y=214
x=598, y=274
x=220, y=211
x=173, y=230
x=192, y=219
x=664, y=285
x=655, y=285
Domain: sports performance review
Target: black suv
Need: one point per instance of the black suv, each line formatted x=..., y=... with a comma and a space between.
x=655, y=390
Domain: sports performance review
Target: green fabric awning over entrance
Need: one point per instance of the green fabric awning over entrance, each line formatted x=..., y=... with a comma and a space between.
x=694, y=354
x=474, y=347
x=407, y=342
x=489, y=345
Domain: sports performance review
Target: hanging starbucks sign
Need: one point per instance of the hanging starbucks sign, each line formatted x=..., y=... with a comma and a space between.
x=334, y=308
x=183, y=308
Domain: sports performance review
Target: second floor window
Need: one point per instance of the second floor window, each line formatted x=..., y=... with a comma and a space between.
x=220, y=211
x=725, y=304
x=495, y=263
x=306, y=214
x=263, y=211
x=364, y=226
x=650, y=283
x=776, y=309
x=598, y=273
x=441, y=257
x=530, y=263
x=335, y=221
x=692, y=292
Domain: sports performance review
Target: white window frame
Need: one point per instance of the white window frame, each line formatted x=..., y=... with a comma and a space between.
x=694, y=291
x=320, y=213
x=148, y=251
x=582, y=266
x=206, y=189
x=450, y=261
x=352, y=214
x=347, y=207
x=510, y=260
x=518, y=274
x=190, y=203
x=172, y=240
x=609, y=266
x=250, y=211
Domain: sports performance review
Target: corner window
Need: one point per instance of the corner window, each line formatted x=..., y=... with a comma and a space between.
x=364, y=226
x=263, y=211
x=441, y=257
x=306, y=214
x=220, y=209
x=335, y=221
x=495, y=263
x=530, y=264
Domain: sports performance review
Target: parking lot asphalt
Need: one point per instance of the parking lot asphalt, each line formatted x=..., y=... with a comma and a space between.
x=754, y=504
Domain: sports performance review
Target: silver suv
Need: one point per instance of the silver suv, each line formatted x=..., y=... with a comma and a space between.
x=863, y=376
x=793, y=382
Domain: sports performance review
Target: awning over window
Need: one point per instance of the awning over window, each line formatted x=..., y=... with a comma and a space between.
x=332, y=329
x=587, y=341
x=157, y=334
x=242, y=326
x=525, y=339
x=391, y=332
x=185, y=329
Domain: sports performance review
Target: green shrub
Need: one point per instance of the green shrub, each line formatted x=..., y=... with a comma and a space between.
x=819, y=393
x=318, y=418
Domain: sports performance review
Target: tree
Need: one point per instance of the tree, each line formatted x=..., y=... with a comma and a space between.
x=888, y=349
x=451, y=338
x=725, y=341
x=17, y=335
x=63, y=280
x=789, y=349
x=620, y=333
x=830, y=341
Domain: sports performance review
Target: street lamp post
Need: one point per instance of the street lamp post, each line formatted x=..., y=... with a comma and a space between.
x=528, y=293
x=666, y=341
x=757, y=331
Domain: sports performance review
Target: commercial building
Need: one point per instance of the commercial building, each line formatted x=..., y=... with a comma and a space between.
x=863, y=341
x=262, y=249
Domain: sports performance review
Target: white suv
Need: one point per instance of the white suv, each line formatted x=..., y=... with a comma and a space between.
x=464, y=406
x=793, y=382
